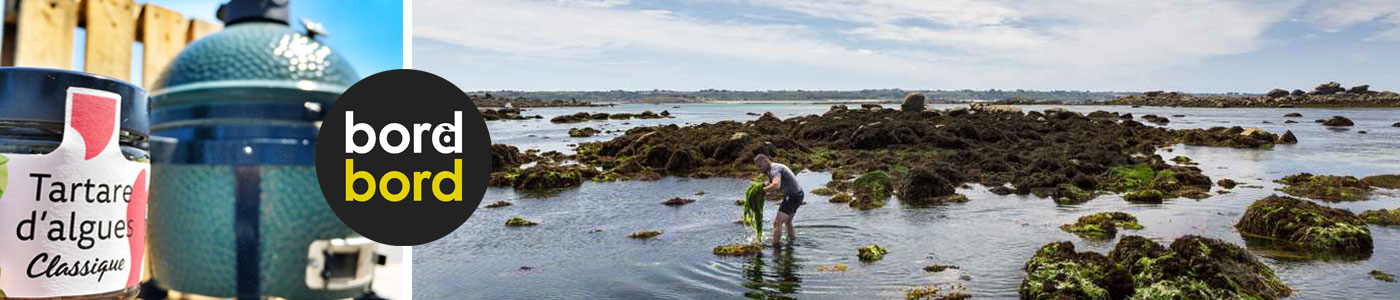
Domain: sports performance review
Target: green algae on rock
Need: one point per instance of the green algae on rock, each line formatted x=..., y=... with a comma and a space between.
x=838, y=267
x=1195, y=267
x=1305, y=225
x=1153, y=182
x=518, y=221
x=583, y=132
x=824, y=191
x=1325, y=188
x=1382, y=276
x=1143, y=196
x=1226, y=183
x=1056, y=271
x=871, y=253
x=1388, y=181
x=1192, y=267
x=644, y=234
x=875, y=185
x=1101, y=226
x=544, y=176
x=935, y=292
x=498, y=204
x=738, y=250
x=677, y=201
x=1384, y=217
x=935, y=268
x=840, y=198
x=1071, y=194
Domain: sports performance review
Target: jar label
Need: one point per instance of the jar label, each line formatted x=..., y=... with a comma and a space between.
x=73, y=221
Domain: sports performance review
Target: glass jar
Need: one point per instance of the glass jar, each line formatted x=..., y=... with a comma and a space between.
x=41, y=141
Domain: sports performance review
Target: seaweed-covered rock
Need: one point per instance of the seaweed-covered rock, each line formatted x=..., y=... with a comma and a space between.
x=1305, y=225
x=1287, y=138
x=582, y=132
x=935, y=268
x=497, y=204
x=644, y=234
x=824, y=191
x=1325, y=187
x=1293, y=115
x=840, y=198
x=1226, y=183
x=1156, y=119
x=935, y=292
x=913, y=102
x=924, y=185
x=1195, y=267
x=1101, y=226
x=518, y=221
x=870, y=253
x=1388, y=181
x=1058, y=272
x=677, y=201
x=544, y=177
x=1382, y=276
x=738, y=250
x=1277, y=93
x=1338, y=121
x=1150, y=196
x=1385, y=217
x=871, y=190
x=506, y=157
x=1070, y=194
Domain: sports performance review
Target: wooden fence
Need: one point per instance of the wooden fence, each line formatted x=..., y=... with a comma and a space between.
x=39, y=33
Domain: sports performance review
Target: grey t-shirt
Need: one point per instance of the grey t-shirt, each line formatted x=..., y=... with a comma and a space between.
x=788, y=181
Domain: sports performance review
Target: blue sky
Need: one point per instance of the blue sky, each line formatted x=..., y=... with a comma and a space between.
x=368, y=33
x=1185, y=45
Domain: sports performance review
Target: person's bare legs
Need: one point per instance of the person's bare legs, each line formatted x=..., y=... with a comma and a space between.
x=778, y=222
x=791, y=233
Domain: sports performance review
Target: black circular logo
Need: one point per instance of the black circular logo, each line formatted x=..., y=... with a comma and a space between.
x=403, y=157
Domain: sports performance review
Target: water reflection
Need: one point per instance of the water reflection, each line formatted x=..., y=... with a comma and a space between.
x=783, y=282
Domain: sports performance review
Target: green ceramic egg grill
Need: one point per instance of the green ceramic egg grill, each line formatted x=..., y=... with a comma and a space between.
x=235, y=209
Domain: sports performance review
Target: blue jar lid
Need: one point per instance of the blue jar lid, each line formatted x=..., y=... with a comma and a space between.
x=38, y=95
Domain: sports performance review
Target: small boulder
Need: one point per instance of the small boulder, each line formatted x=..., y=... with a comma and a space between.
x=1360, y=89
x=518, y=222
x=644, y=234
x=677, y=201
x=1293, y=115
x=582, y=132
x=1382, y=276
x=1385, y=217
x=1101, y=226
x=840, y=198
x=913, y=102
x=498, y=204
x=1226, y=183
x=1338, y=121
x=1326, y=187
x=738, y=250
x=1305, y=225
x=871, y=253
x=1328, y=88
x=1287, y=138
x=1388, y=181
x=1277, y=93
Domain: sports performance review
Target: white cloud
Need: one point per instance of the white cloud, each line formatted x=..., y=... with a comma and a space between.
x=1335, y=16
x=582, y=32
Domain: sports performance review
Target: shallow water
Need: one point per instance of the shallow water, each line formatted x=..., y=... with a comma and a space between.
x=989, y=238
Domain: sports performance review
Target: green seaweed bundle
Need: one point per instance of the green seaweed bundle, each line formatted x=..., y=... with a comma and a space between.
x=753, y=209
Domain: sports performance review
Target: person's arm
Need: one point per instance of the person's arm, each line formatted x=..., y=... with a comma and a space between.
x=774, y=185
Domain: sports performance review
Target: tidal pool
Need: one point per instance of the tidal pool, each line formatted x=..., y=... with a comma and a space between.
x=580, y=249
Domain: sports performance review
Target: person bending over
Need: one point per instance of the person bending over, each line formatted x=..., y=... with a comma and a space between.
x=780, y=178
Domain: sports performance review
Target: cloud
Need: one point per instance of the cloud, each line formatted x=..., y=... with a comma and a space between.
x=562, y=31
x=1333, y=16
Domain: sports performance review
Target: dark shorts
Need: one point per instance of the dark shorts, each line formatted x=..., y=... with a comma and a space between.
x=790, y=204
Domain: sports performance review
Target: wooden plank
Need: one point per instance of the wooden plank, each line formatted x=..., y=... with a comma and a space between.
x=162, y=35
x=111, y=29
x=45, y=33
x=200, y=28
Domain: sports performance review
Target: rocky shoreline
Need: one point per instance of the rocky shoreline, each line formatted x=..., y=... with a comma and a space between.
x=1329, y=94
x=1056, y=153
x=488, y=100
